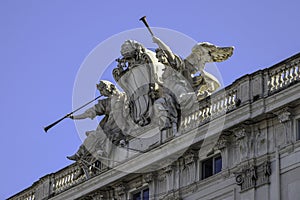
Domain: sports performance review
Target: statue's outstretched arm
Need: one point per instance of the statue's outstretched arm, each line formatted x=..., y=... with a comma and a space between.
x=89, y=113
x=164, y=47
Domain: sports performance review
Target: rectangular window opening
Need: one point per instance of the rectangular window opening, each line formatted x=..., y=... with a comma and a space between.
x=211, y=166
x=298, y=129
x=218, y=164
x=141, y=195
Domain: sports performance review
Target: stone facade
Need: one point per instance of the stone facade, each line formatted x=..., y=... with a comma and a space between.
x=258, y=143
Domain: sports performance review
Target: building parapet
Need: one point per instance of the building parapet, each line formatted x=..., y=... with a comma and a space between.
x=249, y=89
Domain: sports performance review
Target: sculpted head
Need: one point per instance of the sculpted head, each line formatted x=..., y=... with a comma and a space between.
x=161, y=56
x=130, y=47
x=106, y=88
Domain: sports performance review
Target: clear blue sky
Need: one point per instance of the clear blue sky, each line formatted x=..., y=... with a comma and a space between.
x=43, y=43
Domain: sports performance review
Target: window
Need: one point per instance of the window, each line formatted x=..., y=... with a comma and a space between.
x=141, y=195
x=211, y=166
x=298, y=129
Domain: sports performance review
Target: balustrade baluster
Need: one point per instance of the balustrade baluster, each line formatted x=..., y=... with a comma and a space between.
x=204, y=113
x=278, y=79
x=297, y=70
x=275, y=76
x=228, y=100
x=219, y=109
x=273, y=82
x=285, y=76
x=290, y=74
x=200, y=115
x=294, y=73
x=231, y=101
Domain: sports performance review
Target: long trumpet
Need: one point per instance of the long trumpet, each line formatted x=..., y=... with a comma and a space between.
x=69, y=114
x=143, y=19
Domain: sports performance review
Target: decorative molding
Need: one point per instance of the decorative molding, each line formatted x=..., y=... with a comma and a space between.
x=247, y=177
x=94, y=196
x=97, y=196
x=148, y=178
x=174, y=195
x=168, y=169
x=284, y=115
x=190, y=157
x=137, y=184
x=253, y=176
x=222, y=142
x=181, y=164
x=161, y=176
x=120, y=189
x=241, y=132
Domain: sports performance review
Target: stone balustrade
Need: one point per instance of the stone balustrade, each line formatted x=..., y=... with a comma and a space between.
x=30, y=195
x=245, y=90
x=217, y=105
x=53, y=184
x=66, y=178
x=284, y=75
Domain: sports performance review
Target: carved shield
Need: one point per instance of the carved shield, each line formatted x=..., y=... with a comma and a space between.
x=138, y=82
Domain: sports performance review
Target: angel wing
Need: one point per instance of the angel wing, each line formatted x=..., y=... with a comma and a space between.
x=203, y=53
x=217, y=54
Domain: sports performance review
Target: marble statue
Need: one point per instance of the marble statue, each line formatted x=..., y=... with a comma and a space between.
x=205, y=83
x=149, y=100
x=99, y=142
x=159, y=87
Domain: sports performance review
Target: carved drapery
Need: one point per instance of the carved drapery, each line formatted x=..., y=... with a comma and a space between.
x=260, y=142
x=284, y=117
x=161, y=182
x=245, y=142
x=170, y=177
x=188, y=168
